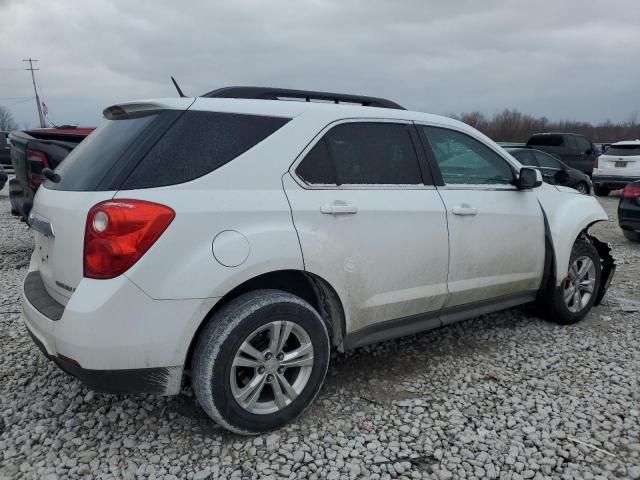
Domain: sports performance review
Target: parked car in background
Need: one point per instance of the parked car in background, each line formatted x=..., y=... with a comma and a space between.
x=574, y=150
x=553, y=170
x=31, y=152
x=616, y=167
x=629, y=211
x=242, y=238
x=5, y=153
x=3, y=177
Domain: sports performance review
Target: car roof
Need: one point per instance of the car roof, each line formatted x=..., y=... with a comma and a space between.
x=292, y=109
x=626, y=143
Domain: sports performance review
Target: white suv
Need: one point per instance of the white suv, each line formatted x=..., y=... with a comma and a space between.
x=618, y=166
x=241, y=239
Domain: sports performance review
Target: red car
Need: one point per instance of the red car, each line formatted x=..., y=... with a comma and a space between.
x=31, y=152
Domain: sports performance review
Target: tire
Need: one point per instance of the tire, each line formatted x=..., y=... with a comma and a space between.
x=631, y=235
x=601, y=191
x=583, y=188
x=252, y=319
x=554, y=306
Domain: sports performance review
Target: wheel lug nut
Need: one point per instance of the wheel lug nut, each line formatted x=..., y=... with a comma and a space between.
x=261, y=370
x=269, y=378
x=280, y=356
x=268, y=355
x=281, y=370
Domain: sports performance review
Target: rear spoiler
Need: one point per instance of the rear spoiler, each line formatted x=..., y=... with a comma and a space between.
x=138, y=109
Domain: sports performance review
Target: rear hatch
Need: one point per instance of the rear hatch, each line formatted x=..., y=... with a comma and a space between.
x=621, y=160
x=90, y=174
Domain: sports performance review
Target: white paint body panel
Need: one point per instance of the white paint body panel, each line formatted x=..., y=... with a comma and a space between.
x=389, y=260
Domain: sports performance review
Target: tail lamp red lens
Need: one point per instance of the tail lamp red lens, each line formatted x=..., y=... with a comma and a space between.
x=119, y=232
x=631, y=191
x=37, y=161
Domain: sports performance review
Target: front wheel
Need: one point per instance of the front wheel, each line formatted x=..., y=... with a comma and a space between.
x=260, y=361
x=571, y=301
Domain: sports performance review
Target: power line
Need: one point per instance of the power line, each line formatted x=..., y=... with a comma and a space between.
x=33, y=78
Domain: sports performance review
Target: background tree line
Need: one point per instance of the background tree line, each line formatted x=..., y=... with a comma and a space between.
x=514, y=126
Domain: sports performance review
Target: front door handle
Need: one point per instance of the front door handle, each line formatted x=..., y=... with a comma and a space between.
x=464, y=209
x=338, y=208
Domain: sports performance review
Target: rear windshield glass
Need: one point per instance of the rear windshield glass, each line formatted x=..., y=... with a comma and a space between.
x=91, y=160
x=623, y=150
x=199, y=143
x=547, y=140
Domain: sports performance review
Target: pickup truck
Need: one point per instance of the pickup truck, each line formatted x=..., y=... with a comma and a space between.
x=575, y=150
x=31, y=152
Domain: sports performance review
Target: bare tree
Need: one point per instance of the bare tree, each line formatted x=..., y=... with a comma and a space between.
x=7, y=123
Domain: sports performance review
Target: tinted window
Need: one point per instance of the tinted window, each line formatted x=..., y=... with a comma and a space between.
x=623, y=150
x=199, y=143
x=550, y=140
x=582, y=144
x=547, y=161
x=91, y=160
x=373, y=153
x=525, y=157
x=316, y=166
x=464, y=160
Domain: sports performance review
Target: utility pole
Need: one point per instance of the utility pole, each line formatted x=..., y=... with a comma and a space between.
x=33, y=78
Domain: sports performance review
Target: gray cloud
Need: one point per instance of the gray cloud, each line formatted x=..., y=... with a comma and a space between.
x=564, y=60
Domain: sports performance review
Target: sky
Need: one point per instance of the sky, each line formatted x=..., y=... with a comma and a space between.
x=569, y=59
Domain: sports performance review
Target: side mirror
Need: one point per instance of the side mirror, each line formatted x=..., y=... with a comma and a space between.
x=562, y=177
x=529, y=178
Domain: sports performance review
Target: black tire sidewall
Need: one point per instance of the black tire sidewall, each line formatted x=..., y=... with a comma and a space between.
x=228, y=409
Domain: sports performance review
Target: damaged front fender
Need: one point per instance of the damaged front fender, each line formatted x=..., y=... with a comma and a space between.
x=608, y=265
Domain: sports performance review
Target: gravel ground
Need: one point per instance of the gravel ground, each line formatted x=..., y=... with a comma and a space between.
x=505, y=396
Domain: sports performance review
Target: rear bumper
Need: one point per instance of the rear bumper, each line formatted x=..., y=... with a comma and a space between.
x=112, y=336
x=135, y=380
x=629, y=215
x=613, y=182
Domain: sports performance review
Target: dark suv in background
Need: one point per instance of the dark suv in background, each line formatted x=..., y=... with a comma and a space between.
x=575, y=150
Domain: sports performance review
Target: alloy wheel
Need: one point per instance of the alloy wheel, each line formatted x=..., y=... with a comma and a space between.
x=271, y=367
x=579, y=285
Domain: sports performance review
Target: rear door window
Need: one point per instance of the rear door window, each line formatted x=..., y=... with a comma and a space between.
x=316, y=167
x=582, y=144
x=370, y=153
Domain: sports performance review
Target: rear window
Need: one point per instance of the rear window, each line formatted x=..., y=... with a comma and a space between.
x=547, y=140
x=623, y=150
x=93, y=158
x=199, y=143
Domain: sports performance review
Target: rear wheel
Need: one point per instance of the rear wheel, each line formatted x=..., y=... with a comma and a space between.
x=631, y=235
x=260, y=361
x=571, y=301
x=601, y=191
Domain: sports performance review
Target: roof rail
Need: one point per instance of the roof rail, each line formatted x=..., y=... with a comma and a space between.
x=267, y=93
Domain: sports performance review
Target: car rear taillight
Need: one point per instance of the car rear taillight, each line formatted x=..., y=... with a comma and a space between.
x=631, y=192
x=119, y=232
x=37, y=161
x=595, y=162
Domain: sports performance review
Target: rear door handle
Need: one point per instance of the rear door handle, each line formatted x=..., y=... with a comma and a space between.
x=338, y=208
x=464, y=209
